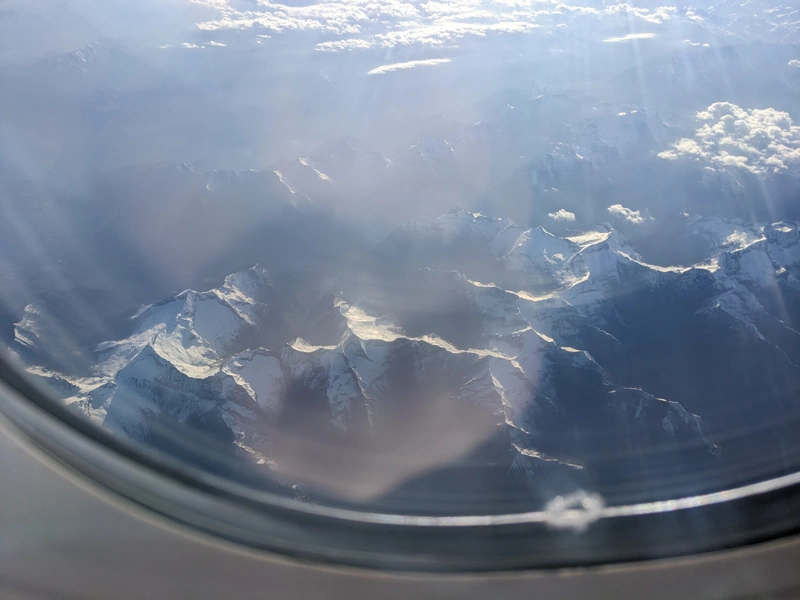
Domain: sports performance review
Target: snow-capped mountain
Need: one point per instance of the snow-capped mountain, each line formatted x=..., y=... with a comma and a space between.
x=515, y=363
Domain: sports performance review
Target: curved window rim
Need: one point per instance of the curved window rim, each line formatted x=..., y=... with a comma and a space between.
x=737, y=517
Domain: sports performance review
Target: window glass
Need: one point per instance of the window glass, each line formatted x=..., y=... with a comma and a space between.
x=445, y=258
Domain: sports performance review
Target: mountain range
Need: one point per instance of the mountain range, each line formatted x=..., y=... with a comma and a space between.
x=470, y=354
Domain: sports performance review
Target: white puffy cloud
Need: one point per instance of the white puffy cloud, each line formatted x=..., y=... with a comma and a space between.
x=407, y=65
x=693, y=16
x=190, y=46
x=631, y=36
x=657, y=16
x=217, y=44
x=794, y=63
x=562, y=215
x=630, y=215
x=760, y=140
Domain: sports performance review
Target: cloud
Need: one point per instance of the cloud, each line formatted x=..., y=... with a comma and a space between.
x=407, y=65
x=190, y=46
x=730, y=137
x=632, y=216
x=361, y=24
x=217, y=44
x=794, y=63
x=631, y=36
x=349, y=44
x=443, y=33
x=212, y=3
x=337, y=17
x=656, y=16
x=562, y=215
x=388, y=23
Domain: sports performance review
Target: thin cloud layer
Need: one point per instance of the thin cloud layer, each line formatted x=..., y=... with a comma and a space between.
x=407, y=65
x=348, y=44
x=562, y=215
x=760, y=140
x=630, y=215
x=363, y=24
x=630, y=37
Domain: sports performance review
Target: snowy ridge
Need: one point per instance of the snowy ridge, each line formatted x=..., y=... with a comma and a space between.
x=586, y=267
x=194, y=331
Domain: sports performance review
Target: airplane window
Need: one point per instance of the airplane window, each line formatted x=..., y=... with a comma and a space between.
x=524, y=266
